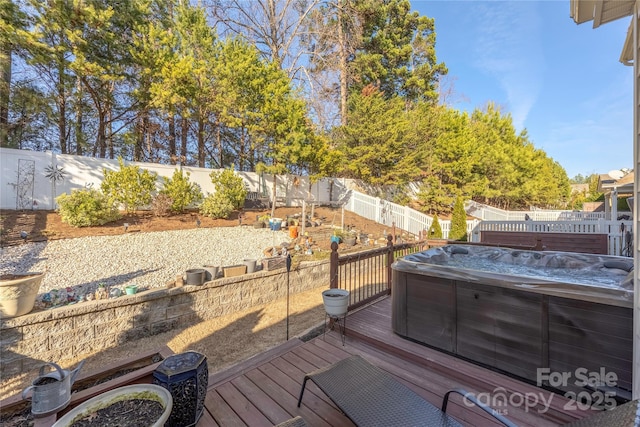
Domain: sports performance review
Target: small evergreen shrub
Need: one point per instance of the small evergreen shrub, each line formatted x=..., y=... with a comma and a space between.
x=458, y=222
x=435, y=231
x=161, y=205
x=181, y=191
x=86, y=208
x=216, y=206
x=130, y=186
x=231, y=186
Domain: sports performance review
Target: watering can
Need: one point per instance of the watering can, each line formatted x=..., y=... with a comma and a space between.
x=51, y=392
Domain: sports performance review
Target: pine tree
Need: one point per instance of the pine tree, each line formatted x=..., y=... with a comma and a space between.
x=435, y=231
x=458, y=222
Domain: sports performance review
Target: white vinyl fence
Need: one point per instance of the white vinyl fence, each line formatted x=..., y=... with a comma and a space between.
x=27, y=182
x=403, y=217
x=489, y=213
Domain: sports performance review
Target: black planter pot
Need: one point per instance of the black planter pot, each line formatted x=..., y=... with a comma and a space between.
x=195, y=276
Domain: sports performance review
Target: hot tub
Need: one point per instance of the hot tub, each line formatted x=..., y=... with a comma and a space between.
x=535, y=315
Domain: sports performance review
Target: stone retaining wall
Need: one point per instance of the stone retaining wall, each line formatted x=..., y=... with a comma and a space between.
x=57, y=334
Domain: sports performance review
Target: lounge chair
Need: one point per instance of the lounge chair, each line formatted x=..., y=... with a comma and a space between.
x=369, y=396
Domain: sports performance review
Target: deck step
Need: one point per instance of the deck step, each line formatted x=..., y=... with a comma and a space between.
x=379, y=335
x=231, y=372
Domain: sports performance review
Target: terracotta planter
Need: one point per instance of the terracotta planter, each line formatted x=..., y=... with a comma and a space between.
x=18, y=293
x=138, y=391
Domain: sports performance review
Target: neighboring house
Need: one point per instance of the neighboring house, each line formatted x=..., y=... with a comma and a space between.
x=580, y=189
x=613, y=185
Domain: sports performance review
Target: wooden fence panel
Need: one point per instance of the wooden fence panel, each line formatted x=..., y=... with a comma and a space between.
x=567, y=242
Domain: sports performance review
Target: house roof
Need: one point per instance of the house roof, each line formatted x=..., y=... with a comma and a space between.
x=603, y=11
x=600, y=11
x=623, y=185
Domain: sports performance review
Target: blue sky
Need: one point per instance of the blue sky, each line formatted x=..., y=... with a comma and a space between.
x=560, y=81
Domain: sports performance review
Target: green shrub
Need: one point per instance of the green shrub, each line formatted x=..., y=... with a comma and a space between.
x=230, y=185
x=130, y=186
x=85, y=208
x=458, y=222
x=435, y=231
x=180, y=190
x=216, y=205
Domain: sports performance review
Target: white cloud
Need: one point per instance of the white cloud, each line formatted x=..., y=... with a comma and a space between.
x=508, y=47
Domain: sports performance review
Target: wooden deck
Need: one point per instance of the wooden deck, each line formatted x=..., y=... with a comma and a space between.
x=263, y=390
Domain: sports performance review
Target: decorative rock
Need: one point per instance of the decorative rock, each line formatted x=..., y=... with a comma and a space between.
x=146, y=259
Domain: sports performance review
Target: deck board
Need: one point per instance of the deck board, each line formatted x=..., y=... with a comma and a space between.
x=263, y=390
x=222, y=413
x=242, y=406
x=315, y=400
x=267, y=404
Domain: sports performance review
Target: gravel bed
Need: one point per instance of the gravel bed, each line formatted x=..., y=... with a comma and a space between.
x=148, y=260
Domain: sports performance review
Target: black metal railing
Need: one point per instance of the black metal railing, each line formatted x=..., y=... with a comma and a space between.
x=367, y=274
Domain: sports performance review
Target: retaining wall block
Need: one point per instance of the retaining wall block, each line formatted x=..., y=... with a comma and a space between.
x=39, y=329
x=178, y=310
x=188, y=320
x=11, y=336
x=67, y=340
x=147, y=313
x=116, y=326
x=134, y=334
x=98, y=344
x=230, y=297
x=210, y=312
x=33, y=346
x=200, y=296
x=215, y=294
x=181, y=298
x=95, y=318
x=165, y=326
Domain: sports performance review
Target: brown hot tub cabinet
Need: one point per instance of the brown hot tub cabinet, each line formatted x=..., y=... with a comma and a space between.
x=517, y=324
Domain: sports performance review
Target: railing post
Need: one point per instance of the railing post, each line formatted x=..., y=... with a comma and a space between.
x=389, y=260
x=333, y=266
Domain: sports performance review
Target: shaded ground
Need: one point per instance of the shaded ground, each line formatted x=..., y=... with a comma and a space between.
x=225, y=340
